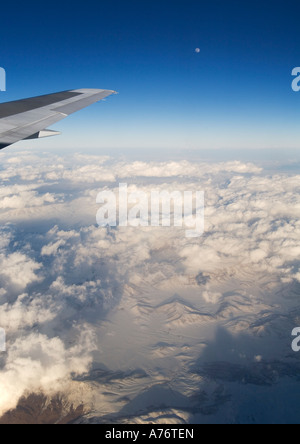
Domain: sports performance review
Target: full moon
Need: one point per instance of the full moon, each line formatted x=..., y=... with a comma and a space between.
x=197, y=50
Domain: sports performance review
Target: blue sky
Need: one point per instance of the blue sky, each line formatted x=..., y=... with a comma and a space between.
x=235, y=94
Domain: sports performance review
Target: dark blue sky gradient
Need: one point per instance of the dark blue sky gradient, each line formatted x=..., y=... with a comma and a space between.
x=235, y=94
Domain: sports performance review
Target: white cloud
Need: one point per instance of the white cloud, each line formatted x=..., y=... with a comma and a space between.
x=26, y=312
x=60, y=274
x=18, y=269
x=52, y=248
x=36, y=363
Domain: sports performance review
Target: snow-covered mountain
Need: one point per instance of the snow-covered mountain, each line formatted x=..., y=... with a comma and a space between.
x=142, y=324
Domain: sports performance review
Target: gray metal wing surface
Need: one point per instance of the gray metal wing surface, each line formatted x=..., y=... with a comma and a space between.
x=29, y=118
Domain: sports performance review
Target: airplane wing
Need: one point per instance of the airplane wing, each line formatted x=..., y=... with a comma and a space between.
x=29, y=118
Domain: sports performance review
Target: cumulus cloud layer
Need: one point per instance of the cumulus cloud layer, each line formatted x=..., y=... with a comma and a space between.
x=74, y=296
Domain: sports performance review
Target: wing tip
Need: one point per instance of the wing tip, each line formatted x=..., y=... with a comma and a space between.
x=94, y=91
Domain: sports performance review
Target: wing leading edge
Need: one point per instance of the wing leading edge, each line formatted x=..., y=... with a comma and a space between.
x=29, y=118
